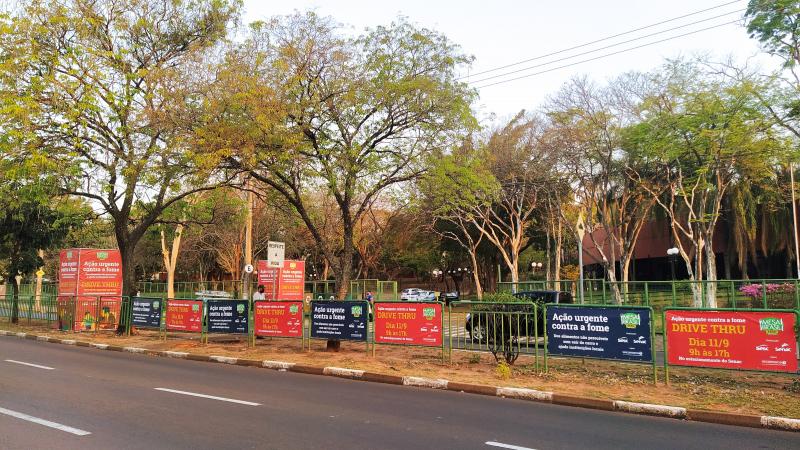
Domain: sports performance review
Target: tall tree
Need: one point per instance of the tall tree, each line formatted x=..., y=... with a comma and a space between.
x=315, y=111
x=100, y=82
x=585, y=129
x=703, y=133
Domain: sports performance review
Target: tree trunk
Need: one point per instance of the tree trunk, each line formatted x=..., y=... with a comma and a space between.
x=171, y=258
x=711, y=275
x=14, y=298
x=127, y=247
x=476, y=276
x=559, y=253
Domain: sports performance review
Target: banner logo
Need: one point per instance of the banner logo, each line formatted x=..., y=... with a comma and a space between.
x=102, y=255
x=356, y=311
x=771, y=325
x=630, y=320
x=293, y=309
x=240, y=308
x=429, y=313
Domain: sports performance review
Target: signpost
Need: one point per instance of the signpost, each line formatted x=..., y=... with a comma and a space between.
x=275, y=254
x=761, y=340
x=340, y=320
x=603, y=332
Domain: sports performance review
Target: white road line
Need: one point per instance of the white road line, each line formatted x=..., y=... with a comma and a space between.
x=29, y=364
x=47, y=423
x=512, y=447
x=194, y=394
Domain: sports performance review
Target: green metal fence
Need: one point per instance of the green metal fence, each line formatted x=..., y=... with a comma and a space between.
x=503, y=329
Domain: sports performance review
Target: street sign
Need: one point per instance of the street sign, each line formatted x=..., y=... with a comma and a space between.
x=248, y=268
x=275, y=253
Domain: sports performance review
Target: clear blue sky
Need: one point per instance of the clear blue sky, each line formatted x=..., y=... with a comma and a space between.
x=502, y=32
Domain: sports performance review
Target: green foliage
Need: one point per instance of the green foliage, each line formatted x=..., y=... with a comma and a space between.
x=776, y=24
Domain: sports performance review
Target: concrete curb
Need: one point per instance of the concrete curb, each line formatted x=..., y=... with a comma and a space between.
x=674, y=412
x=649, y=409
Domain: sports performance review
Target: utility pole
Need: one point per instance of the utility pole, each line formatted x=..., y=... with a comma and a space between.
x=794, y=220
x=248, y=243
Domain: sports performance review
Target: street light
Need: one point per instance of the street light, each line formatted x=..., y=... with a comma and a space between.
x=672, y=253
x=534, y=266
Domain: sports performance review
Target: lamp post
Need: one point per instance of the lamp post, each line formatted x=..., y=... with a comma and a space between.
x=672, y=253
x=534, y=266
x=436, y=274
x=580, y=229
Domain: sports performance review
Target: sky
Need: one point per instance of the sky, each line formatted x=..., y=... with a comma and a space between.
x=500, y=32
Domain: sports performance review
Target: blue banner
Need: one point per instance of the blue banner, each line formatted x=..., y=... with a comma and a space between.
x=228, y=316
x=345, y=320
x=146, y=312
x=607, y=333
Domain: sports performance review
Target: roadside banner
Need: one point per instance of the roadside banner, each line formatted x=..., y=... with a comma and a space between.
x=278, y=319
x=146, y=312
x=345, y=320
x=228, y=316
x=292, y=280
x=185, y=315
x=282, y=283
x=91, y=274
x=599, y=332
x=749, y=340
x=408, y=323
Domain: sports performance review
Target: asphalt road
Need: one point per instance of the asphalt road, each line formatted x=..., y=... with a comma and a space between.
x=129, y=401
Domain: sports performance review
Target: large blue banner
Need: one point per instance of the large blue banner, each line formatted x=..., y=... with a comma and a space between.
x=608, y=333
x=339, y=320
x=146, y=312
x=228, y=316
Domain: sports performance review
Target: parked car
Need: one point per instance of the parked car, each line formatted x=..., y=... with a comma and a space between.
x=448, y=297
x=416, y=295
x=486, y=323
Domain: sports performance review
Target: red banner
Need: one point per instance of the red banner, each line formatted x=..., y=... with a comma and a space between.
x=278, y=319
x=408, y=323
x=91, y=274
x=750, y=340
x=285, y=283
x=293, y=277
x=97, y=313
x=185, y=315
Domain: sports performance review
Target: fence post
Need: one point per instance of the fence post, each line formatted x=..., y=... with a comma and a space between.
x=796, y=295
x=733, y=294
x=764, y=292
x=674, y=296
x=646, y=294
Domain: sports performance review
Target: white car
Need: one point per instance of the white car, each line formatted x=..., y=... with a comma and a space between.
x=415, y=294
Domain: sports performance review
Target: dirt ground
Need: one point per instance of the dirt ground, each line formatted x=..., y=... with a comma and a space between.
x=714, y=390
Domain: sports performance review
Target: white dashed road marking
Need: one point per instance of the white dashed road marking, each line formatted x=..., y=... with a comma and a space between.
x=212, y=397
x=29, y=364
x=47, y=423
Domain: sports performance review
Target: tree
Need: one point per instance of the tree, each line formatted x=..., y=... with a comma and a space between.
x=585, y=129
x=100, y=83
x=523, y=170
x=314, y=111
x=703, y=133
